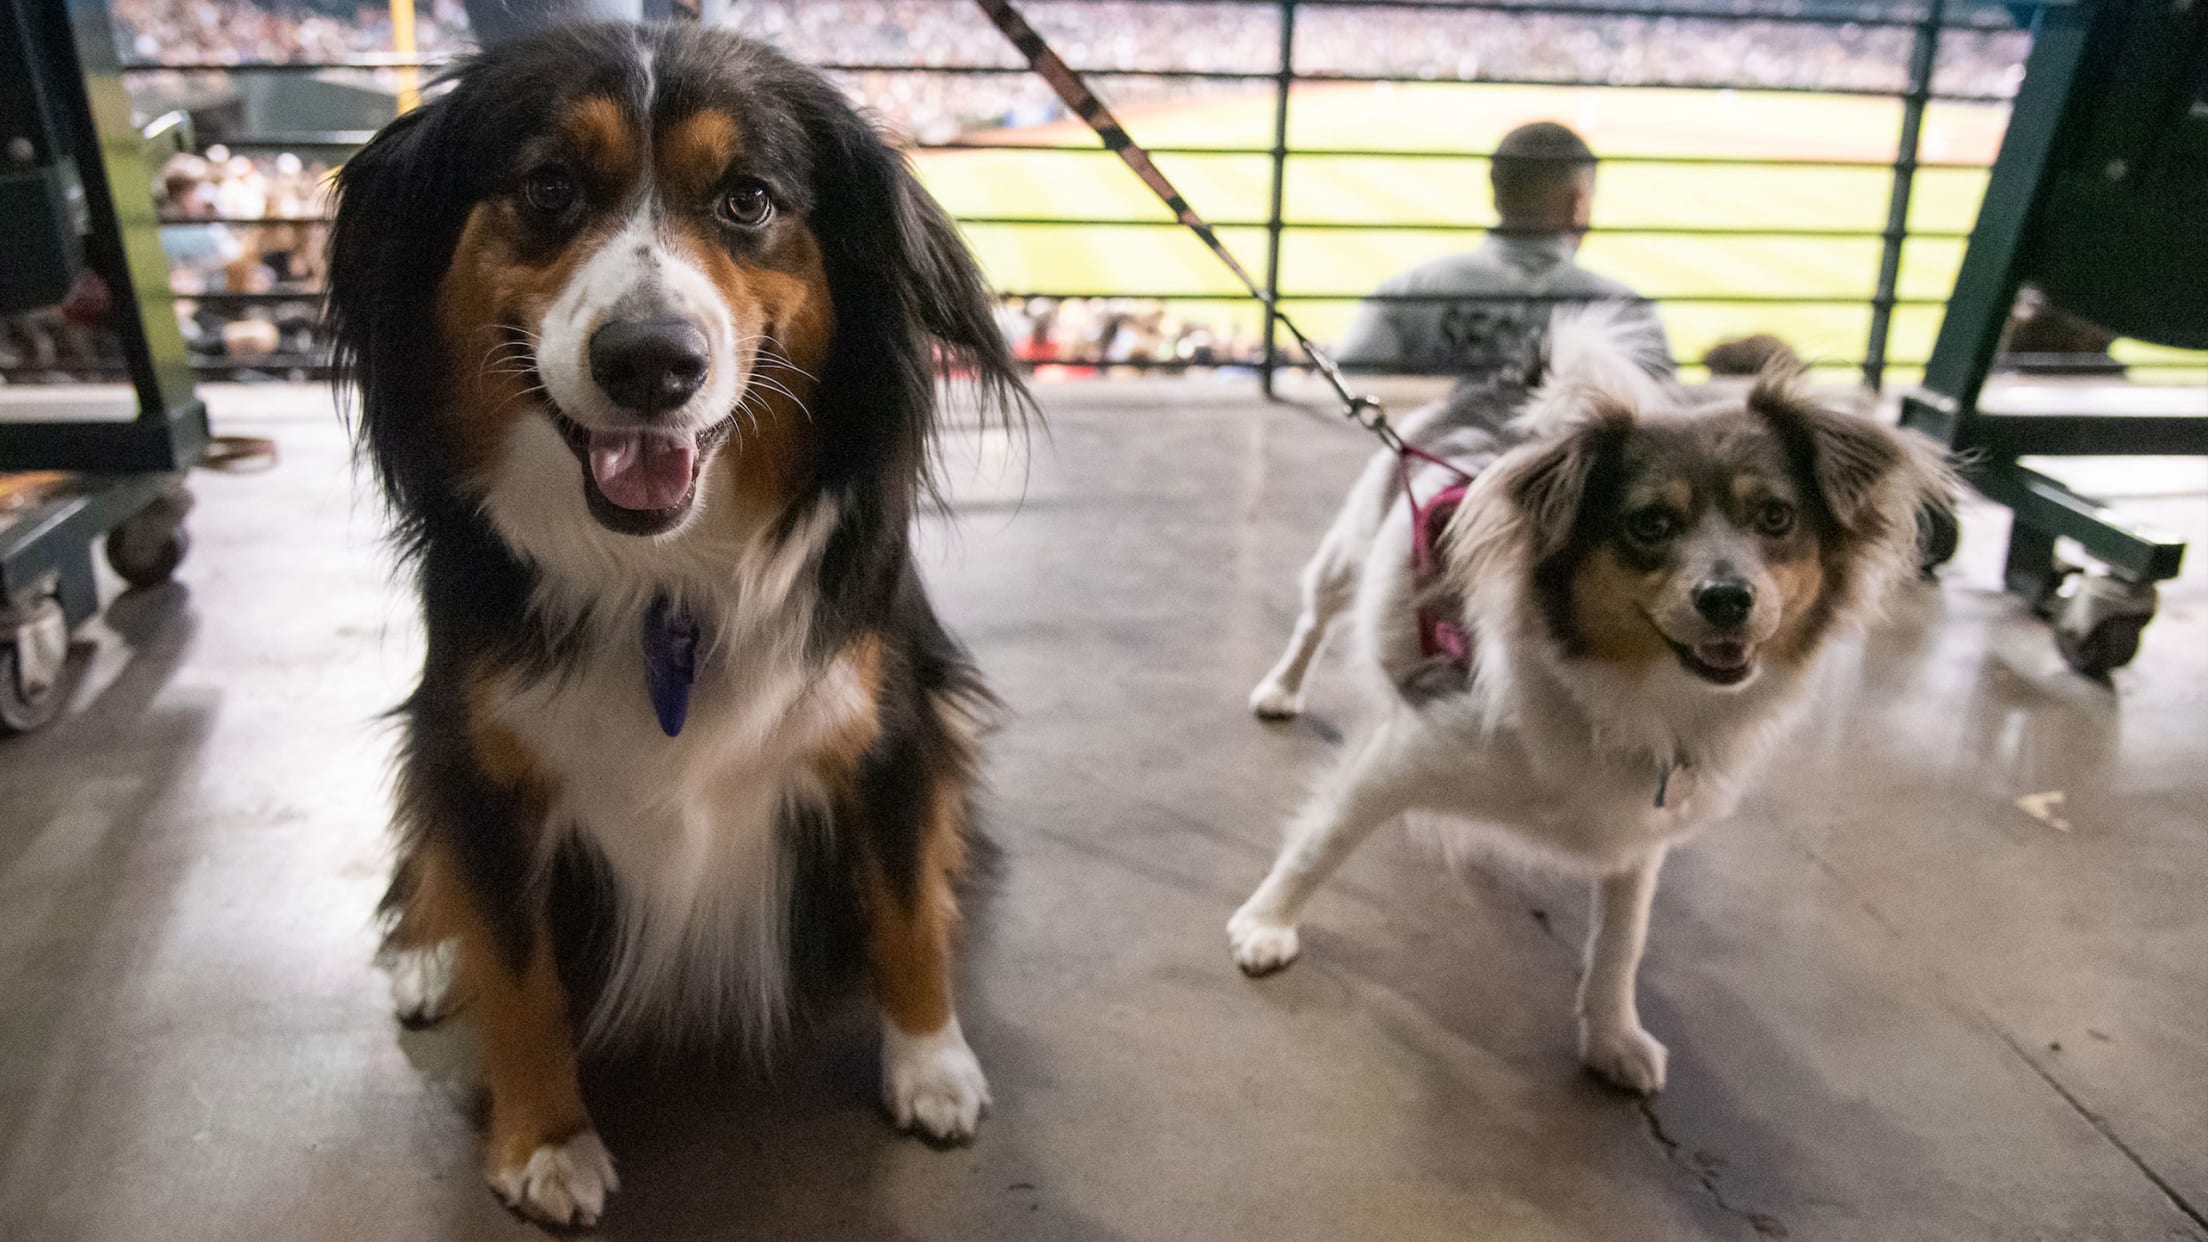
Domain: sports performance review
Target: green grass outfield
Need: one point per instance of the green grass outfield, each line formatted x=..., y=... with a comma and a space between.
x=1392, y=191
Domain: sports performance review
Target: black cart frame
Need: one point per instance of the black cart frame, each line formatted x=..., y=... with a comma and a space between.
x=74, y=160
x=2100, y=198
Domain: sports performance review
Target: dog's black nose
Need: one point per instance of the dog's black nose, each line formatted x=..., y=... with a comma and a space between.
x=1726, y=602
x=651, y=365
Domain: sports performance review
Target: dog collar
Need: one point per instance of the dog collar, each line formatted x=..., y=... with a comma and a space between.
x=671, y=663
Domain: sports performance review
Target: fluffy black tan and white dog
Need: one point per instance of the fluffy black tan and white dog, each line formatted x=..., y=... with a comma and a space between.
x=1645, y=585
x=645, y=326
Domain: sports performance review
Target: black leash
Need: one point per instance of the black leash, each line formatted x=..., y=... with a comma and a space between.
x=1074, y=91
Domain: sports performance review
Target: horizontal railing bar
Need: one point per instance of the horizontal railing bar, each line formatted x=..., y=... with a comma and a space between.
x=320, y=364
x=270, y=297
x=360, y=137
x=1439, y=226
x=1221, y=75
x=1414, y=79
x=1430, y=153
x=1868, y=18
x=1684, y=299
x=2014, y=361
x=174, y=221
x=267, y=362
x=1339, y=226
x=348, y=139
x=1015, y=69
x=1409, y=79
x=365, y=60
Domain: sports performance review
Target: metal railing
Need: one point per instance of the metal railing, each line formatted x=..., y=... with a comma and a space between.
x=1925, y=25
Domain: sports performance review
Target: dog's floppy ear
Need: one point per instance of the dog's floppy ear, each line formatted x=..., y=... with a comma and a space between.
x=1550, y=484
x=396, y=225
x=907, y=295
x=944, y=286
x=1848, y=459
x=1536, y=501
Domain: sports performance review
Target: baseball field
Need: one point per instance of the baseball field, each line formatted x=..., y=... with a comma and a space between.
x=1812, y=290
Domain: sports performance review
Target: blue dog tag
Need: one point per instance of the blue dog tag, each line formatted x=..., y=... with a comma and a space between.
x=670, y=662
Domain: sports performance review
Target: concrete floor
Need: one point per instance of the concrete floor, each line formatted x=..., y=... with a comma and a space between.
x=1899, y=1006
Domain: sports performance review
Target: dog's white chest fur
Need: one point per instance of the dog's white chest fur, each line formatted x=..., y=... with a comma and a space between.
x=1521, y=786
x=690, y=826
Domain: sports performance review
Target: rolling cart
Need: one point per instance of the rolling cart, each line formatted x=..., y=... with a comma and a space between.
x=82, y=464
x=2100, y=198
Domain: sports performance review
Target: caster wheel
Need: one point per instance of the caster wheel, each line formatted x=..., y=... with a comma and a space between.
x=2097, y=626
x=146, y=566
x=146, y=550
x=2107, y=646
x=34, y=668
x=1938, y=535
x=24, y=707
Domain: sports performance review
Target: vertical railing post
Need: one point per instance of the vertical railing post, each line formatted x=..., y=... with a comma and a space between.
x=1282, y=84
x=1923, y=59
x=402, y=42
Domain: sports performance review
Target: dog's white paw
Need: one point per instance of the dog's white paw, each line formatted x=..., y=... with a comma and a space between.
x=562, y=1183
x=1260, y=945
x=932, y=1084
x=421, y=983
x=1626, y=1055
x=1273, y=701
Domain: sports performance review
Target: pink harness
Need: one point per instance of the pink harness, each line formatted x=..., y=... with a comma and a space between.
x=1441, y=634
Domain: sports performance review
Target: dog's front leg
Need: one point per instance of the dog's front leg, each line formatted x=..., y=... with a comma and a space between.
x=931, y=1081
x=1611, y=1040
x=1363, y=794
x=541, y=1154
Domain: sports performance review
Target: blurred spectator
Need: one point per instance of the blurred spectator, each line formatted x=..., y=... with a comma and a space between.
x=2044, y=339
x=1748, y=356
x=202, y=257
x=1543, y=176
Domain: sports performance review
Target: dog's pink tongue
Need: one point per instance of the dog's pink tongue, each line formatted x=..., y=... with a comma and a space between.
x=642, y=469
x=1727, y=653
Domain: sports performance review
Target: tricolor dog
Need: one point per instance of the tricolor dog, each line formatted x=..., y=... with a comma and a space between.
x=646, y=327
x=1642, y=585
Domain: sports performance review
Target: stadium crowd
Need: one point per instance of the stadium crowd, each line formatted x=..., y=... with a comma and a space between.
x=1077, y=337
x=229, y=32
x=217, y=244
x=1430, y=42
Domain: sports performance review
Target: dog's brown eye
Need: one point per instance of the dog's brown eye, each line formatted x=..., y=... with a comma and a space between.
x=1651, y=526
x=550, y=191
x=1774, y=518
x=748, y=205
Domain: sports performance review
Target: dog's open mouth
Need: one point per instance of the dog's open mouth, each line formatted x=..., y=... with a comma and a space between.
x=640, y=480
x=1717, y=659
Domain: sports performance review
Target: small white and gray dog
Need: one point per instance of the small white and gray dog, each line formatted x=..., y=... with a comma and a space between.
x=1645, y=583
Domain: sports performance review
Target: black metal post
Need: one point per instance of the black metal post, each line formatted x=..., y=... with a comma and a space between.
x=1923, y=59
x=1281, y=87
x=124, y=247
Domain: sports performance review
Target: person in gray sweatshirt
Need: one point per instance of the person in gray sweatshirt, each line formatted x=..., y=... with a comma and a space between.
x=1488, y=310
